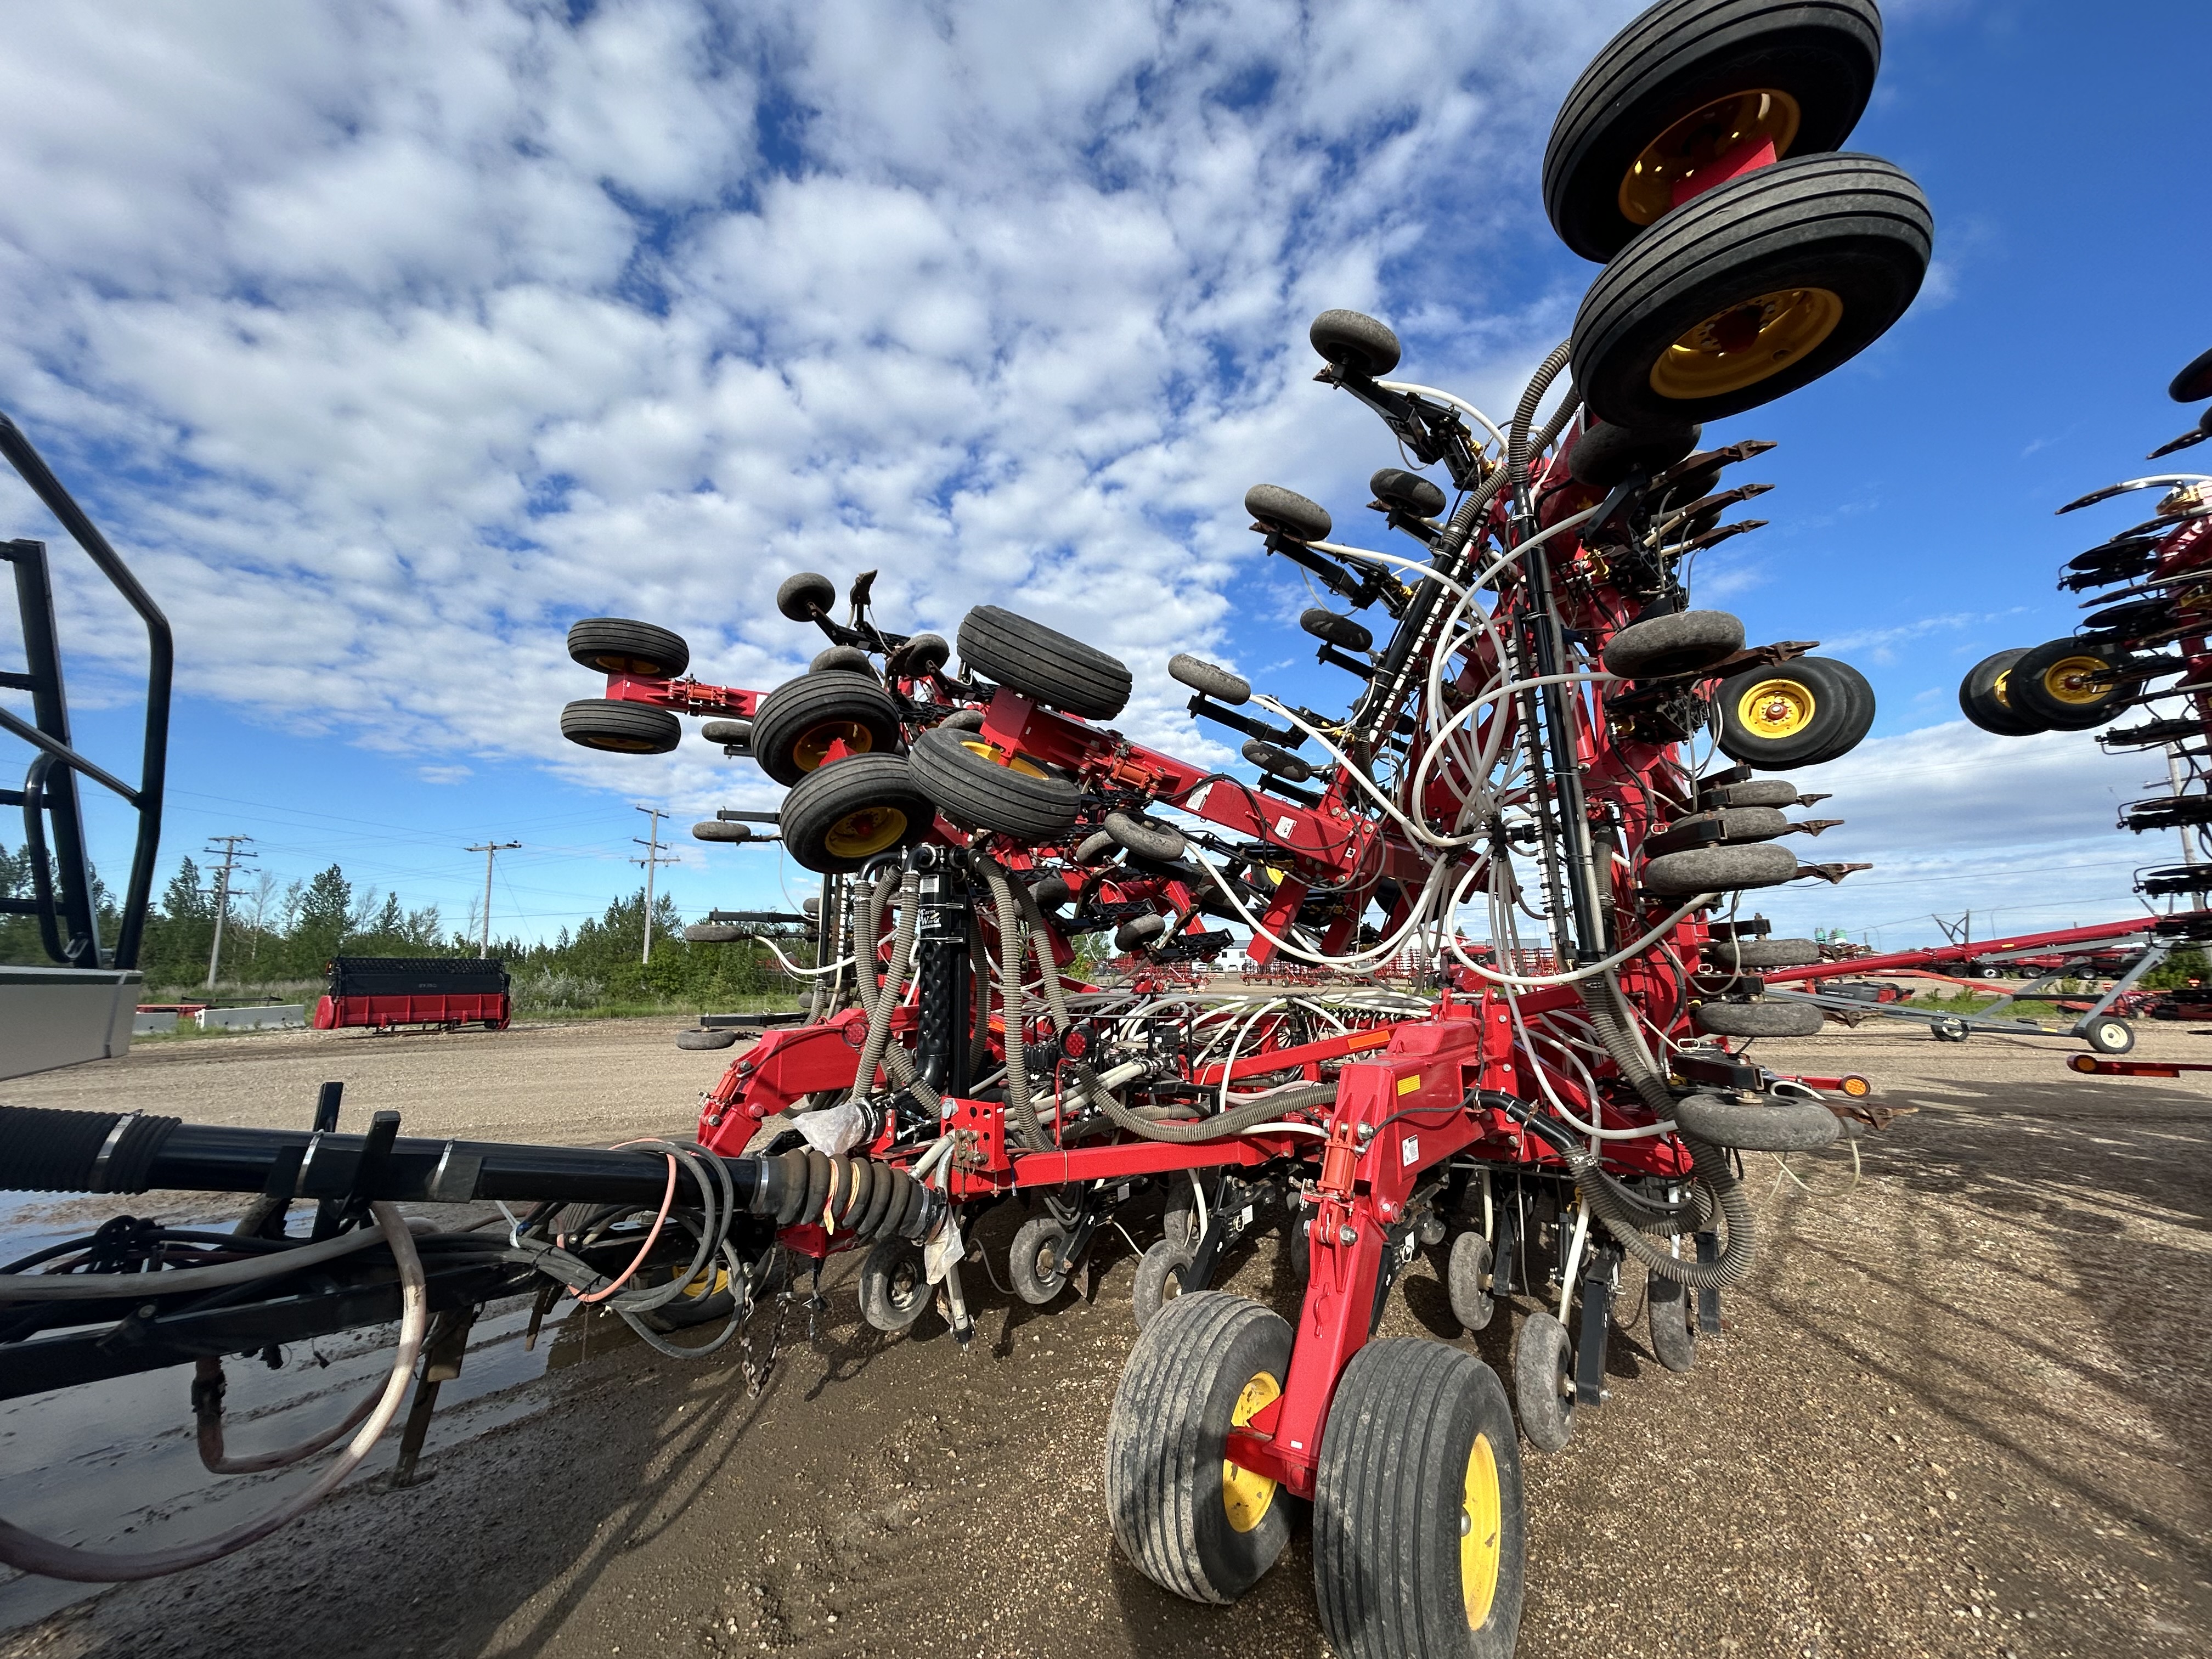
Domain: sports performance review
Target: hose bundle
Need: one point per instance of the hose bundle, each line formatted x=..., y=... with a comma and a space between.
x=844, y=1195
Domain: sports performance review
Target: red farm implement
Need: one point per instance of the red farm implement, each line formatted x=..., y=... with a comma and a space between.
x=1529, y=739
x=384, y=994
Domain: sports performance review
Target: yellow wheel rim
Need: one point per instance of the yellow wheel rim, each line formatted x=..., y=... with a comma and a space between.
x=1747, y=342
x=622, y=745
x=2065, y=681
x=1699, y=139
x=811, y=750
x=998, y=757
x=710, y=1282
x=1997, y=689
x=1776, y=708
x=862, y=834
x=1481, y=1532
x=1246, y=1494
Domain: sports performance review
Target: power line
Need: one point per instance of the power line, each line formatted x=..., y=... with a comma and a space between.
x=490, y=849
x=230, y=856
x=652, y=860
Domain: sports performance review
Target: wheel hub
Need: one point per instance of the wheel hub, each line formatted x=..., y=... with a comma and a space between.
x=1744, y=343
x=1481, y=1532
x=1776, y=709
x=1740, y=121
x=1246, y=1494
x=865, y=833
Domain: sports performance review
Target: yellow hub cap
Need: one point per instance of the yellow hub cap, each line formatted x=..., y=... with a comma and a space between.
x=1776, y=708
x=1699, y=139
x=998, y=757
x=1481, y=1532
x=1246, y=1494
x=810, y=751
x=862, y=834
x=1745, y=344
x=2065, y=680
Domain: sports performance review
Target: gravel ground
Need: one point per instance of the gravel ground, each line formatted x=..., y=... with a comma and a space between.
x=1958, y=1412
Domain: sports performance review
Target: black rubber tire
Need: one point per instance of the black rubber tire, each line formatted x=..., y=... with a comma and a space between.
x=1159, y=1279
x=1752, y=792
x=715, y=830
x=1341, y=631
x=1719, y=869
x=921, y=656
x=707, y=1039
x=1738, y=955
x=739, y=732
x=2036, y=685
x=1466, y=1281
x=1211, y=678
x=620, y=728
x=1043, y=665
x=805, y=596
x=1543, y=1375
x=970, y=789
x=616, y=645
x=1279, y=761
x=795, y=723
x=716, y=932
x=1353, y=340
x=1679, y=57
x=1297, y=1245
x=1603, y=454
x=1668, y=648
x=1672, y=1317
x=1050, y=893
x=1165, y=1494
x=843, y=659
x=1853, y=227
x=1408, y=492
x=1286, y=513
x=837, y=817
x=1763, y=1124
x=2109, y=1036
x=1758, y=1019
x=1145, y=838
x=1408, y=1424
x=1843, y=710
x=1983, y=697
x=1139, y=932
x=1738, y=825
x=1179, y=1212
x=2194, y=382
x=894, y=1290
x=1035, y=1241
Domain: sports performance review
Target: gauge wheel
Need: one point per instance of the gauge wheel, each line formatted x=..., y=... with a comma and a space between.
x=797, y=724
x=620, y=728
x=1984, y=698
x=616, y=645
x=839, y=817
x=1673, y=1322
x=1759, y=287
x=1421, y=1529
x=1799, y=713
x=2053, y=683
x=1191, y=1521
x=977, y=783
x=894, y=1288
x=1033, y=1260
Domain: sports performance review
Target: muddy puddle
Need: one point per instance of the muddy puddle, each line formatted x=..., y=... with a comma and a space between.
x=115, y=1466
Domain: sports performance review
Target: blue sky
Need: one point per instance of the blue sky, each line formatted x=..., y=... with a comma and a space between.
x=385, y=341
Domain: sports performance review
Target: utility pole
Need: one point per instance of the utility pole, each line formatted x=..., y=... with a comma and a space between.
x=230, y=856
x=652, y=860
x=490, y=849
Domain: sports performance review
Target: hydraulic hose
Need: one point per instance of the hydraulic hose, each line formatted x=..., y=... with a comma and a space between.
x=1516, y=439
x=1021, y=1109
x=1708, y=1163
x=1234, y=1121
x=894, y=980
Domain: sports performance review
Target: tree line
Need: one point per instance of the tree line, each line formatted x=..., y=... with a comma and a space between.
x=282, y=935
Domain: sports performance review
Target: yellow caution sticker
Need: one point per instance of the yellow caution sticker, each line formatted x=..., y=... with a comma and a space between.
x=1407, y=1084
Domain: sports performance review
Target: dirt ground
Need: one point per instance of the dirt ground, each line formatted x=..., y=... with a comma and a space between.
x=1960, y=1410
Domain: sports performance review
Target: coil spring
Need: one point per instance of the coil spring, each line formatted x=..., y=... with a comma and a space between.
x=845, y=1194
